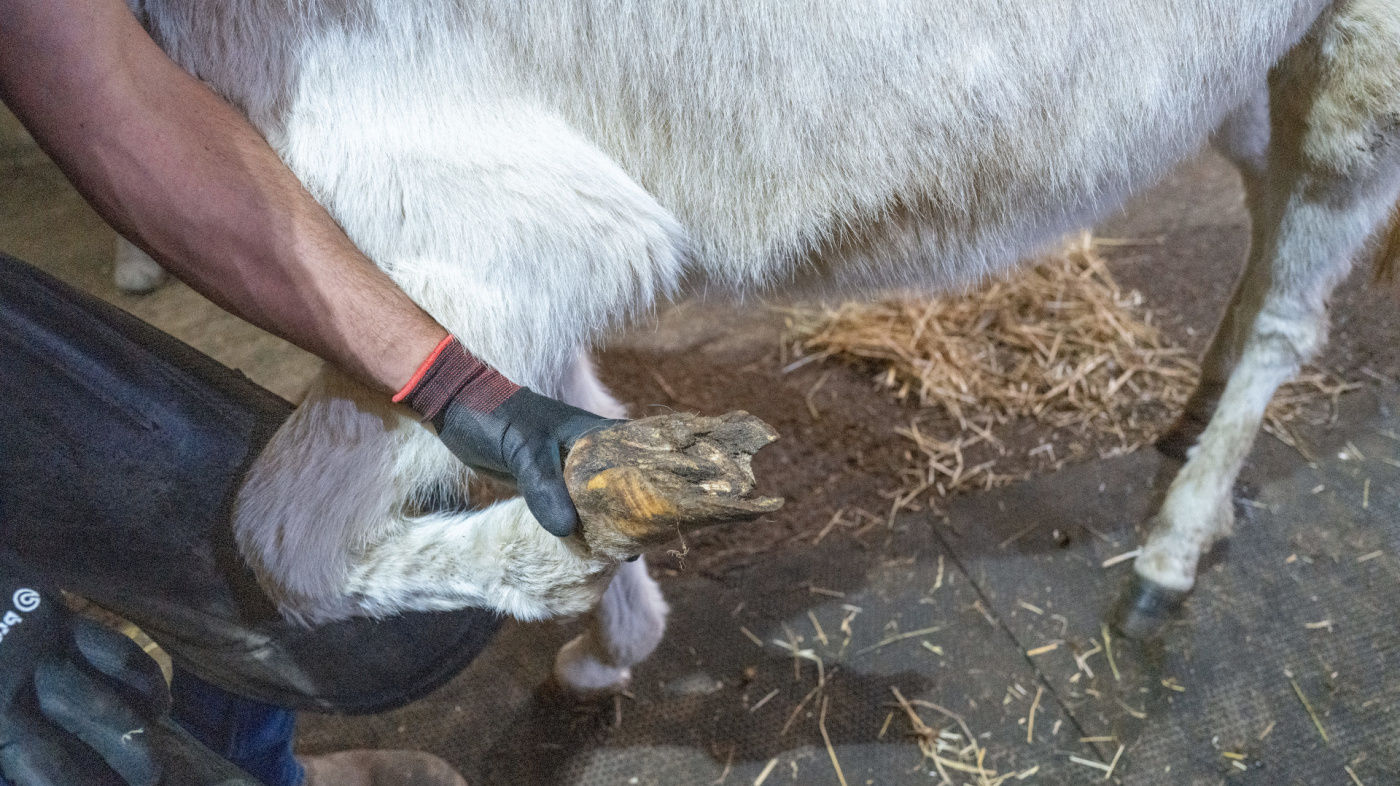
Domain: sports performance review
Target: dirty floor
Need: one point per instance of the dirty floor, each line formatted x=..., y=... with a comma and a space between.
x=1282, y=669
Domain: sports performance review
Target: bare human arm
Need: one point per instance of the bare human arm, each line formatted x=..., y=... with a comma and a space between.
x=181, y=173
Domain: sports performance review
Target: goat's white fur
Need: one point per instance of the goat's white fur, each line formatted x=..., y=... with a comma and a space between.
x=533, y=175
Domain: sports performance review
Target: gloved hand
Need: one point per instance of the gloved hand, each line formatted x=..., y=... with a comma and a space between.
x=502, y=429
x=82, y=705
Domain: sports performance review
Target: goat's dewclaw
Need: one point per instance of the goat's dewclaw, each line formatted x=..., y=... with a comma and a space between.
x=641, y=483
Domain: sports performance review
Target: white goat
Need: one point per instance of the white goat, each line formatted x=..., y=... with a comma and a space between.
x=533, y=174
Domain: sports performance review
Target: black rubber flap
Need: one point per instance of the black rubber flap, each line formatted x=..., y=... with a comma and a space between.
x=121, y=449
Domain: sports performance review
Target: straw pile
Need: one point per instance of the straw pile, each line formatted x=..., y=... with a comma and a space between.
x=1059, y=342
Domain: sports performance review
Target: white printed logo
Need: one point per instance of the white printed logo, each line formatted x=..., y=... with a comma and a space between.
x=26, y=600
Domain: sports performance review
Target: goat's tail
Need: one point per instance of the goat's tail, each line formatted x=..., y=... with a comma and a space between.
x=1388, y=256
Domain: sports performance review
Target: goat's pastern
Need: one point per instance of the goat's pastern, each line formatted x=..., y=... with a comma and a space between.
x=1163, y=575
x=582, y=669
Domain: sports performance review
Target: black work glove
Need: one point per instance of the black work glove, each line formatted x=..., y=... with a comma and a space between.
x=501, y=429
x=82, y=705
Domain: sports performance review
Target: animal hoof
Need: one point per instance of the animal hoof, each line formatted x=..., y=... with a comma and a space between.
x=641, y=483
x=1143, y=608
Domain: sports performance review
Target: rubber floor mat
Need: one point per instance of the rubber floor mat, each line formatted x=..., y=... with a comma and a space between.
x=987, y=610
x=1284, y=667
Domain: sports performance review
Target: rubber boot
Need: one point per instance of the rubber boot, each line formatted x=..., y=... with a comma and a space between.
x=379, y=768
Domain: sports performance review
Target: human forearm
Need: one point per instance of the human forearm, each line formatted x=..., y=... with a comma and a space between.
x=176, y=169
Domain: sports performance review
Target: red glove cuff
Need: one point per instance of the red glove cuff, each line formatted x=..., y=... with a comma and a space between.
x=451, y=372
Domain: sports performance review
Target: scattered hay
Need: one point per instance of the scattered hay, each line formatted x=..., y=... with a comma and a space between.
x=1057, y=343
x=830, y=749
x=1060, y=343
x=953, y=750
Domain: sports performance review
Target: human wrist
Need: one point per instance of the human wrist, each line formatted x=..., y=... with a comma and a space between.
x=451, y=373
x=398, y=359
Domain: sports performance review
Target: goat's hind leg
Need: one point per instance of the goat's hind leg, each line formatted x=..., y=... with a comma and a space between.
x=1332, y=179
x=1243, y=139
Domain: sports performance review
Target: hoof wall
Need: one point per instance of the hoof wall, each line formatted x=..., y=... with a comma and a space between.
x=1144, y=607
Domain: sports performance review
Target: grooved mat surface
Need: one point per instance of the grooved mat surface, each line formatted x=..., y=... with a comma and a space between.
x=1021, y=570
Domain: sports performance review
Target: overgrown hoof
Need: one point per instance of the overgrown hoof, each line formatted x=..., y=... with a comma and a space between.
x=642, y=483
x=1144, y=607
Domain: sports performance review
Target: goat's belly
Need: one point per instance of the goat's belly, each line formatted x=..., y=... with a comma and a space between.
x=899, y=143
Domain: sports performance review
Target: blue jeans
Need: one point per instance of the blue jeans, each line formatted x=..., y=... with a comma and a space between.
x=255, y=736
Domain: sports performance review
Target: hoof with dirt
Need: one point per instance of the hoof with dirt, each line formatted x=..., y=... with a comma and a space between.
x=643, y=483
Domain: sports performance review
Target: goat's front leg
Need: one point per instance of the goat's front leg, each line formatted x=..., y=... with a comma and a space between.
x=355, y=508
x=1333, y=178
x=1199, y=508
x=498, y=558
